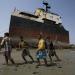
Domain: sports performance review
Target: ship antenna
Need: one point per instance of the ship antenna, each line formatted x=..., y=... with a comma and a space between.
x=47, y=6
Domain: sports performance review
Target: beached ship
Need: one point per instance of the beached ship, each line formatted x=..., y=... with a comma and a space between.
x=44, y=22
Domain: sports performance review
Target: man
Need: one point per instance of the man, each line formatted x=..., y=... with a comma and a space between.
x=24, y=46
x=41, y=53
x=7, y=43
x=52, y=52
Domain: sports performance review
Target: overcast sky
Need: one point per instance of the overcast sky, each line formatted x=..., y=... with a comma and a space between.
x=65, y=8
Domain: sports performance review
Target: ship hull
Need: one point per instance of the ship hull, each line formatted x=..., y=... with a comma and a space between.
x=32, y=29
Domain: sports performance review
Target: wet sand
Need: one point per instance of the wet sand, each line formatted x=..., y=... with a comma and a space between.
x=64, y=67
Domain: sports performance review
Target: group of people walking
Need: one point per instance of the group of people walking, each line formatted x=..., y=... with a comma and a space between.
x=44, y=48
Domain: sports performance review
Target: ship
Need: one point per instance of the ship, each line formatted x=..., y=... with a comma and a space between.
x=42, y=21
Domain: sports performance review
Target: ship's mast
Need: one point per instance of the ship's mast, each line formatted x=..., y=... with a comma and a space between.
x=46, y=5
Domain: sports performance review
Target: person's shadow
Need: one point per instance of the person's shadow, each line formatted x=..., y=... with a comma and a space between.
x=52, y=64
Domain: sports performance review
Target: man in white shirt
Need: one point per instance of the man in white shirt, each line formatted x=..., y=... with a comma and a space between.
x=7, y=44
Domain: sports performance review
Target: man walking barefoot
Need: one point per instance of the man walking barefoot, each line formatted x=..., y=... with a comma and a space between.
x=41, y=52
x=7, y=44
x=24, y=46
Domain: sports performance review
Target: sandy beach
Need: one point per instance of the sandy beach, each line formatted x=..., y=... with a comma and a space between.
x=64, y=67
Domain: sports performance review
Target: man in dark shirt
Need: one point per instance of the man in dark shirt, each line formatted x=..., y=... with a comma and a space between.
x=52, y=52
x=24, y=46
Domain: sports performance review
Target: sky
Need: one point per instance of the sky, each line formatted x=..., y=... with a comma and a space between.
x=65, y=8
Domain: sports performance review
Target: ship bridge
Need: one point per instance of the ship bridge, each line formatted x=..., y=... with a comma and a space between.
x=41, y=13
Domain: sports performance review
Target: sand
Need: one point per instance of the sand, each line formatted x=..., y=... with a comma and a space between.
x=64, y=67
